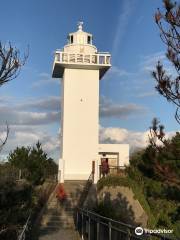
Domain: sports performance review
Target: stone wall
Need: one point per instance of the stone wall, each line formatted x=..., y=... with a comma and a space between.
x=123, y=201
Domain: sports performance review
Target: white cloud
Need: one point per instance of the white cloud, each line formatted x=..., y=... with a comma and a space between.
x=135, y=139
x=14, y=117
x=31, y=111
x=110, y=109
x=121, y=135
x=48, y=103
x=28, y=136
x=43, y=111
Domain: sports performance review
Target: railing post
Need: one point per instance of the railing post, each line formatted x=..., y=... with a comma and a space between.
x=97, y=59
x=128, y=234
x=89, y=228
x=97, y=233
x=60, y=57
x=77, y=220
x=109, y=225
x=82, y=234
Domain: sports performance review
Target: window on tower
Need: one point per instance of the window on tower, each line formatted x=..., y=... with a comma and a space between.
x=71, y=39
x=89, y=39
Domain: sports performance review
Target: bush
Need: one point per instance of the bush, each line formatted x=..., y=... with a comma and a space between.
x=155, y=189
x=35, y=162
x=112, y=180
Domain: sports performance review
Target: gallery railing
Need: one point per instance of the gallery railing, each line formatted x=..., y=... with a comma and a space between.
x=92, y=226
x=76, y=58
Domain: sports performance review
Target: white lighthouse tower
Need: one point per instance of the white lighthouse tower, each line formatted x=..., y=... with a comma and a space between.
x=80, y=67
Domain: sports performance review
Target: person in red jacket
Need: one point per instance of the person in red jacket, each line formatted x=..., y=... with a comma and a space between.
x=105, y=167
x=60, y=193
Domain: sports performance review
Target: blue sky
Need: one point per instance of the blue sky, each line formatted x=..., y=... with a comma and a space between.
x=128, y=101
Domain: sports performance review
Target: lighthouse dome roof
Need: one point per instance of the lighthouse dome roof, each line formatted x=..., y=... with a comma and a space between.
x=80, y=41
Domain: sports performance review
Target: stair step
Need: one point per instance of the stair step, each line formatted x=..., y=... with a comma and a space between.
x=60, y=215
x=58, y=225
x=60, y=221
x=61, y=218
x=57, y=221
x=47, y=229
x=59, y=212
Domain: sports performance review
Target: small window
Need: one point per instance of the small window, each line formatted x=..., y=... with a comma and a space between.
x=71, y=38
x=89, y=39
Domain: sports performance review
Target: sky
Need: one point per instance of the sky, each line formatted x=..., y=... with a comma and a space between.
x=128, y=100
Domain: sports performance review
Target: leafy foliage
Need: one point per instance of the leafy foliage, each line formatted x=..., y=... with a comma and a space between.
x=154, y=175
x=112, y=180
x=15, y=204
x=17, y=201
x=157, y=172
x=169, y=26
x=35, y=161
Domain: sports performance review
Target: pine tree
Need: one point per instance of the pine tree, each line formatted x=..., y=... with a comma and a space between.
x=168, y=22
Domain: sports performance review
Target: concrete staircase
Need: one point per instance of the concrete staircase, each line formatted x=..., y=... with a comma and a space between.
x=57, y=221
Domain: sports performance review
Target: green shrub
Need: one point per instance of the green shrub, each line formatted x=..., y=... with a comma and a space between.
x=112, y=180
x=155, y=189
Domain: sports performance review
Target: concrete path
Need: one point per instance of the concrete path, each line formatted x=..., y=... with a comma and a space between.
x=62, y=234
x=57, y=221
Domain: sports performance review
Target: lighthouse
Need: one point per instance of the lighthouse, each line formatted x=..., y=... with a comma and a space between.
x=80, y=67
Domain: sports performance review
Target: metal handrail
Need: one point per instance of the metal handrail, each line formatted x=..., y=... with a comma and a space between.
x=86, y=219
x=86, y=189
x=22, y=235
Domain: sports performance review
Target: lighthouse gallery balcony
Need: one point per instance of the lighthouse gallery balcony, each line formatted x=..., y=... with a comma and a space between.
x=99, y=61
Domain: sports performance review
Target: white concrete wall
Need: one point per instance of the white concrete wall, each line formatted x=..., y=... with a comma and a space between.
x=80, y=122
x=80, y=48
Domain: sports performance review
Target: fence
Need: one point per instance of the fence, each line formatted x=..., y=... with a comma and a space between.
x=117, y=170
x=15, y=174
x=92, y=226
